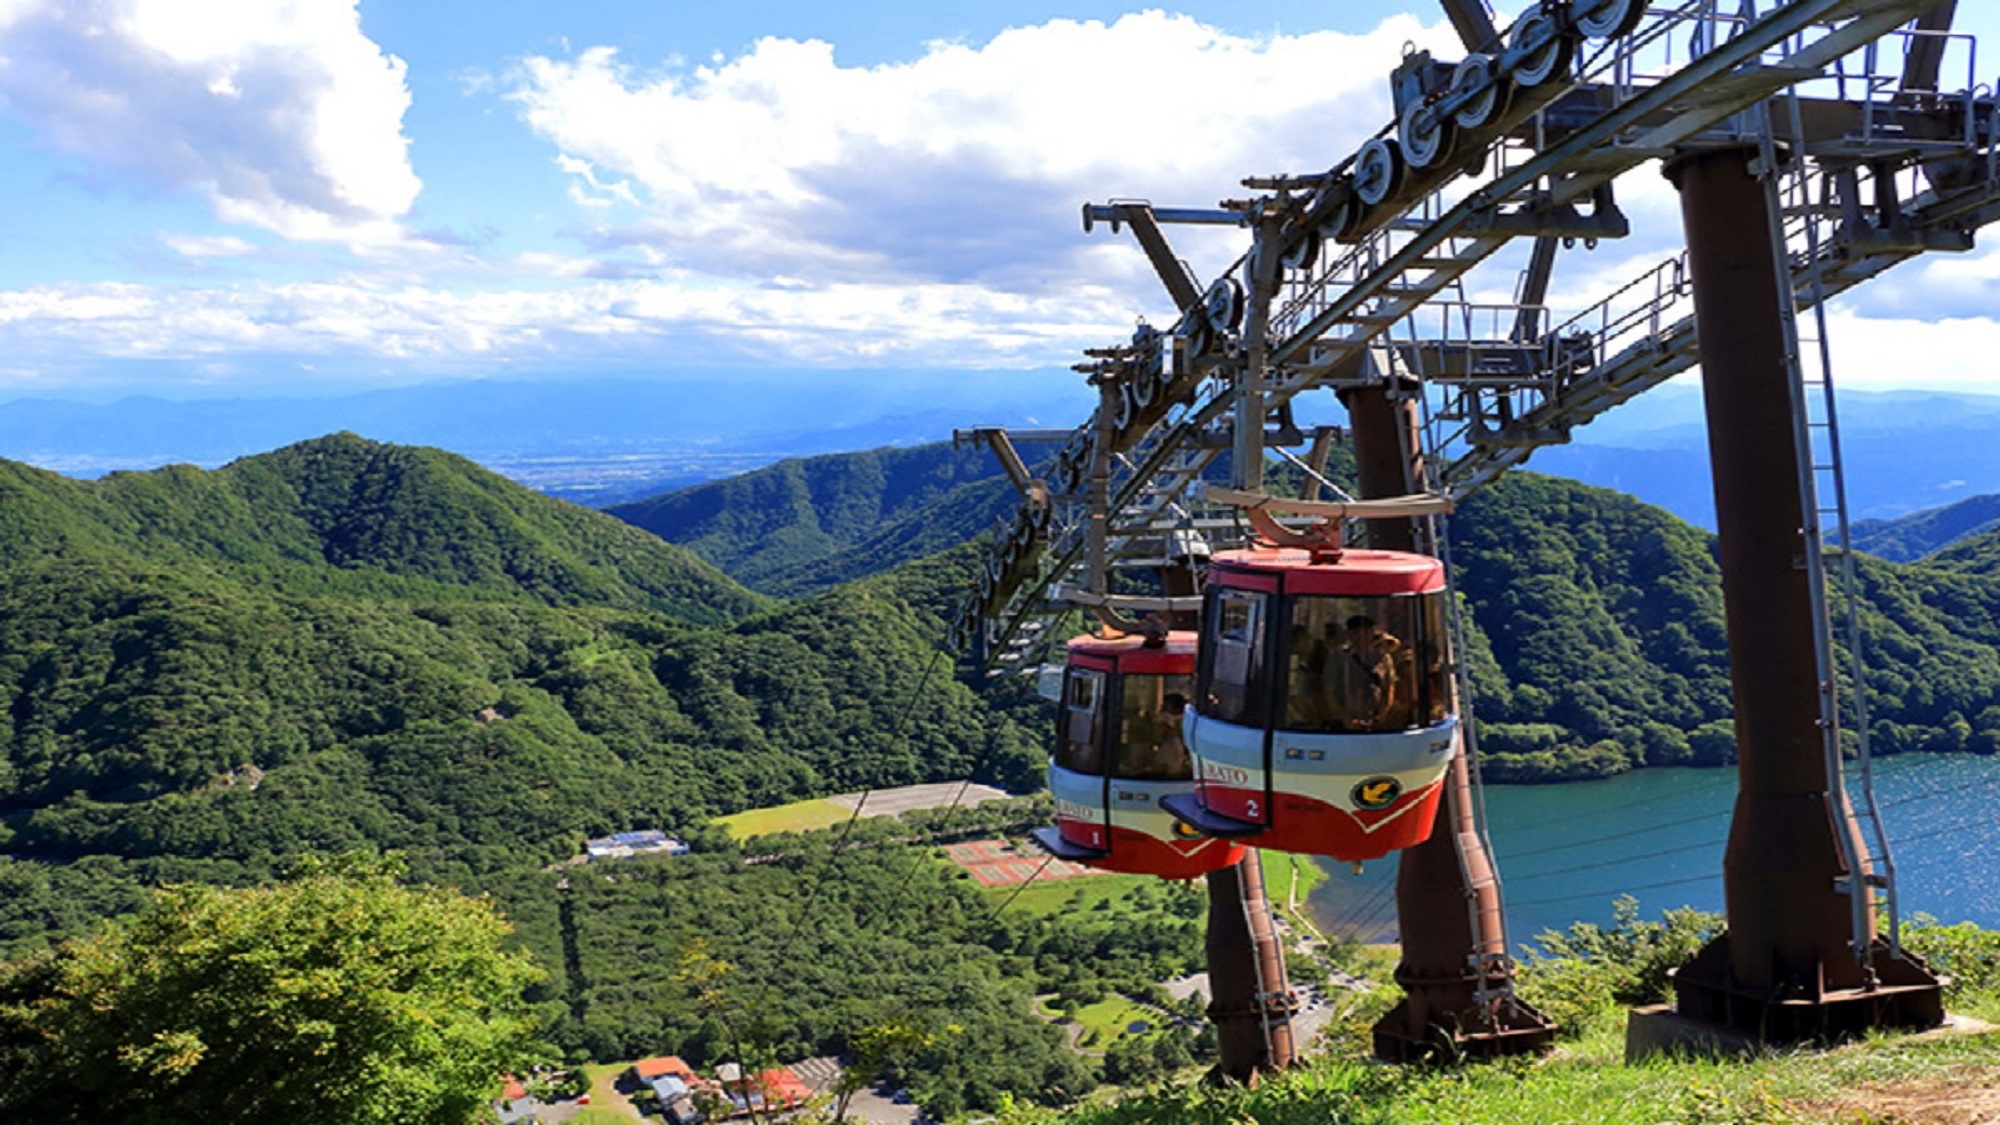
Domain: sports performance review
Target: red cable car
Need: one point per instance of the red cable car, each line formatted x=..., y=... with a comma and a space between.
x=1323, y=716
x=1119, y=751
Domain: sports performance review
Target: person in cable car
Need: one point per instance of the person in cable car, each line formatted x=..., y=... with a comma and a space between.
x=1120, y=748
x=1324, y=719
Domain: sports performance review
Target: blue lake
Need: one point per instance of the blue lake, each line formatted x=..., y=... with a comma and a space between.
x=1566, y=851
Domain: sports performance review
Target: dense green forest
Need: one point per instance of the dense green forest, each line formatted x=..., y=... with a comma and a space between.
x=807, y=524
x=821, y=943
x=181, y=703
x=350, y=646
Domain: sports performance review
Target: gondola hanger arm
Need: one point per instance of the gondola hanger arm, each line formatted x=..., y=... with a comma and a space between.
x=1390, y=507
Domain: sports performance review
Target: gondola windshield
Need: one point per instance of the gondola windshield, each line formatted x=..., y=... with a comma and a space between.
x=1151, y=747
x=1350, y=664
x=1365, y=663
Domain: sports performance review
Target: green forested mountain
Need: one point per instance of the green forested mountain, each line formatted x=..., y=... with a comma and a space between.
x=342, y=514
x=1599, y=641
x=345, y=645
x=808, y=524
x=1595, y=631
x=1911, y=537
x=1594, y=624
x=234, y=667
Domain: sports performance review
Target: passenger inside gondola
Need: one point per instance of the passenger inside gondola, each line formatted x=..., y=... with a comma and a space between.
x=1351, y=673
x=1152, y=748
x=1371, y=678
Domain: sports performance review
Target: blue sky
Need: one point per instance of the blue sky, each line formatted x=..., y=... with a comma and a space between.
x=292, y=196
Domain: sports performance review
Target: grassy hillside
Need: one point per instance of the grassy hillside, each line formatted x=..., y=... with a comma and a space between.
x=1588, y=979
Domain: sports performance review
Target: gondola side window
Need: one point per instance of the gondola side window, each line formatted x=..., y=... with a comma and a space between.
x=1233, y=664
x=1150, y=746
x=1366, y=663
x=1077, y=743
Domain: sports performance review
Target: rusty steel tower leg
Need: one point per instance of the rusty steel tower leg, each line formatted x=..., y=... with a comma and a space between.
x=1785, y=970
x=1251, y=994
x=1252, y=997
x=1457, y=984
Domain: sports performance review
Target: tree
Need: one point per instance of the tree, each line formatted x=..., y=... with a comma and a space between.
x=337, y=995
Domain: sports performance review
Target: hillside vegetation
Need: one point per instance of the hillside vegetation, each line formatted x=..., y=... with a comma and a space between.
x=342, y=515
x=807, y=524
x=1595, y=632
x=1909, y=538
x=202, y=674
x=347, y=646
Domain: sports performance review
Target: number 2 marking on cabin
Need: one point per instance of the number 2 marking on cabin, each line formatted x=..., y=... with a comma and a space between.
x=1250, y=807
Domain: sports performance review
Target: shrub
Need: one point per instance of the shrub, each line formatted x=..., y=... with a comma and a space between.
x=1579, y=974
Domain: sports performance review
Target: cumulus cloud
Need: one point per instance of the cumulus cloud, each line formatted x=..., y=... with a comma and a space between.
x=964, y=166
x=281, y=112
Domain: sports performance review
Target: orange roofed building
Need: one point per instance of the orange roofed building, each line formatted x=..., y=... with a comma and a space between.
x=664, y=1066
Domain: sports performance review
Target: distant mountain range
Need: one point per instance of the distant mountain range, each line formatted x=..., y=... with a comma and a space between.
x=1903, y=452
x=596, y=441
x=602, y=442
x=1911, y=537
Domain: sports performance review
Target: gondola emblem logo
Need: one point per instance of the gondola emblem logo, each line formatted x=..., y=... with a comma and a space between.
x=1376, y=793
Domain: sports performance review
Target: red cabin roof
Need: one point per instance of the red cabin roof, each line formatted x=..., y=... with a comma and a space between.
x=1357, y=573
x=1131, y=654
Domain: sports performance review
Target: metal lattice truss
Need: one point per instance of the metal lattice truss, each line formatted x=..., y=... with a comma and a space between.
x=1359, y=275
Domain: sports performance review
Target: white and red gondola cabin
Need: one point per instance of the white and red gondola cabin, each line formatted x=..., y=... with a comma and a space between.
x=1323, y=718
x=1120, y=750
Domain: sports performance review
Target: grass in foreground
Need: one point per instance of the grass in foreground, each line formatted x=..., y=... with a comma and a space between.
x=1587, y=977
x=1587, y=1083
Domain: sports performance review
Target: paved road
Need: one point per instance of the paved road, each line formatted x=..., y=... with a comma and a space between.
x=894, y=802
x=874, y=1107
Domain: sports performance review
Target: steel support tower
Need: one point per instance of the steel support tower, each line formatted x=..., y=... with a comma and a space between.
x=1786, y=968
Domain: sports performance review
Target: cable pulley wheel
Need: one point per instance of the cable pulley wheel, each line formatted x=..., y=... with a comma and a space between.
x=1122, y=420
x=1545, y=61
x=1194, y=334
x=1425, y=135
x=1223, y=306
x=1478, y=72
x=1142, y=388
x=1611, y=19
x=1378, y=171
x=1302, y=254
x=1337, y=213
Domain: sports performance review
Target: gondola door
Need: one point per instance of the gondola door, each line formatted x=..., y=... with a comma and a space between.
x=1233, y=773
x=1083, y=797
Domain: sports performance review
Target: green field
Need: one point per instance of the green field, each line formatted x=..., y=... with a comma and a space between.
x=1280, y=868
x=799, y=816
x=1108, y=1019
x=1069, y=895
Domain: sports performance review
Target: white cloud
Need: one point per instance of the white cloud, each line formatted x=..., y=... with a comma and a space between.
x=421, y=328
x=281, y=112
x=966, y=165
x=208, y=246
x=1901, y=353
